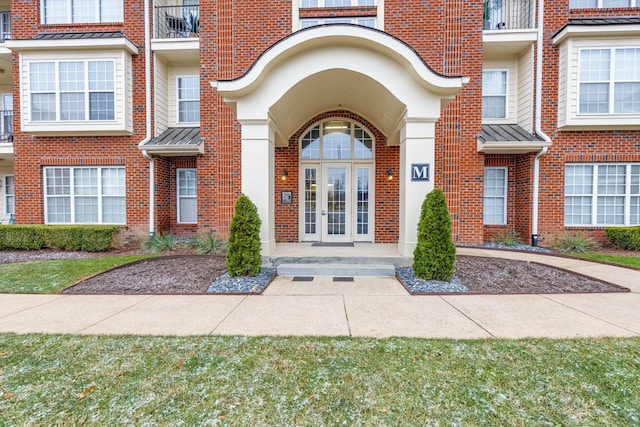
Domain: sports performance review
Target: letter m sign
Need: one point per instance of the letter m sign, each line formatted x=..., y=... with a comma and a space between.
x=420, y=172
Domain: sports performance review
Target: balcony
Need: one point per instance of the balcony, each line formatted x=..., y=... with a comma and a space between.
x=509, y=14
x=177, y=21
x=5, y=26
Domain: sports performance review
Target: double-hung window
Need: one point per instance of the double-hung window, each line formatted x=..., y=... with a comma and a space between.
x=72, y=90
x=494, y=94
x=609, y=81
x=81, y=11
x=602, y=194
x=592, y=4
x=495, y=195
x=188, y=99
x=9, y=195
x=187, y=196
x=85, y=195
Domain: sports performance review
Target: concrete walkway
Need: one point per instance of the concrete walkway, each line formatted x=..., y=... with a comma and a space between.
x=367, y=307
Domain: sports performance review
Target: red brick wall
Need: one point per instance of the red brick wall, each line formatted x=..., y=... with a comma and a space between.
x=572, y=146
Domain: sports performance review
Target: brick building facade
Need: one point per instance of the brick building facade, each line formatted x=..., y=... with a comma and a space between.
x=334, y=117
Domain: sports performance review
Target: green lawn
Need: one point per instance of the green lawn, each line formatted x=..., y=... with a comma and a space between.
x=631, y=261
x=202, y=381
x=42, y=277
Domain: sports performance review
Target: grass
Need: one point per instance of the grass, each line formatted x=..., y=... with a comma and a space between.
x=88, y=380
x=630, y=261
x=42, y=277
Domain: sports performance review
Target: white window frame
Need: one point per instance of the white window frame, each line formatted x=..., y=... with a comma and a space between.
x=594, y=197
x=503, y=197
x=600, y=3
x=506, y=93
x=611, y=81
x=179, y=100
x=323, y=3
x=180, y=197
x=8, y=195
x=296, y=5
x=357, y=20
x=85, y=91
x=122, y=123
x=101, y=196
x=70, y=18
x=5, y=25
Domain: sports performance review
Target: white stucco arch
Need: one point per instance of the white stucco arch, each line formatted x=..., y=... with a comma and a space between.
x=331, y=67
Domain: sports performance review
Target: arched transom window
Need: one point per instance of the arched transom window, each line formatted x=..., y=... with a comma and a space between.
x=336, y=139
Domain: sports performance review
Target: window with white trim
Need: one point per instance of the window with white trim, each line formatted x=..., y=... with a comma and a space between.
x=72, y=90
x=494, y=94
x=365, y=21
x=495, y=195
x=602, y=194
x=81, y=11
x=9, y=195
x=187, y=196
x=593, y=4
x=85, y=195
x=188, y=99
x=609, y=81
x=336, y=3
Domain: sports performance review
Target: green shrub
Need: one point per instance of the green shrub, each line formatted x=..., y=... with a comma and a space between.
x=624, y=237
x=209, y=244
x=435, y=255
x=575, y=242
x=243, y=253
x=507, y=238
x=160, y=243
x=90, y=238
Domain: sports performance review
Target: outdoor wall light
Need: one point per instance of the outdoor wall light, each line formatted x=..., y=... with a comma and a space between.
x=284, y=174
x=390, y=175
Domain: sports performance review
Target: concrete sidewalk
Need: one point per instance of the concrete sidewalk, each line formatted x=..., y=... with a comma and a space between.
x=371, y=307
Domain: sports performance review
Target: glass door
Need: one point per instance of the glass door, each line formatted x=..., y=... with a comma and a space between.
x=336, y=206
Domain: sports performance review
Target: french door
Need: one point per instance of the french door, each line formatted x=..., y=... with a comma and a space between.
x=336, y=202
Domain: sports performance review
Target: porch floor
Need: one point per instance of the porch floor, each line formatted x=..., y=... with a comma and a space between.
x=358, y=250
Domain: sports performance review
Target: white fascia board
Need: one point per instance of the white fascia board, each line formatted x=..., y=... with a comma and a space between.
x=511, y=147
x=173, y=150
x=340, y=35
x=120, y=43
x=594, y=31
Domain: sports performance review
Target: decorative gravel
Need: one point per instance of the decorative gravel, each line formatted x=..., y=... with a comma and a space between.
x=417, y=285
x=511, y=248
x=243, y=284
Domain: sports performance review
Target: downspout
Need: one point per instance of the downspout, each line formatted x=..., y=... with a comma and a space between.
x=147, y=78
x=538, y=126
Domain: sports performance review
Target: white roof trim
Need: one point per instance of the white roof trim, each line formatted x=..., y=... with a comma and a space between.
x=511, y=147
x=339, y=34
x=72, y=44
x=593, y=31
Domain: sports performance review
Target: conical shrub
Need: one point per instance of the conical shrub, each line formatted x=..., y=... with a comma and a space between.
x=435, y=255
x=243, y=253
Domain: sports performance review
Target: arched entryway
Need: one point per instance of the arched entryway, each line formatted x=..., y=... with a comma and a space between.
x=336, y=182
x=320, y=69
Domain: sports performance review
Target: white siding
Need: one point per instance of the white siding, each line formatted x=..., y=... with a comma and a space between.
x=562, y=84
x=525, y=90
x=161, y=106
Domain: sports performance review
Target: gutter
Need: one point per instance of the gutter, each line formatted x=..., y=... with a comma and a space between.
x=538, y=126
x=147, y=78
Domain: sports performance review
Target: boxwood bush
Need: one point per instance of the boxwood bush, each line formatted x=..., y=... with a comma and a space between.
x=624, y=237
x=243, y=252
x=89, y=238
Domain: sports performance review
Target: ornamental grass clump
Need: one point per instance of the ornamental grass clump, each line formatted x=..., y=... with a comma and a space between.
x=243, y=252
x=435, y=255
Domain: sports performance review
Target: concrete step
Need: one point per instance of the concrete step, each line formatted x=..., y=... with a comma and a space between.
x=336, y=270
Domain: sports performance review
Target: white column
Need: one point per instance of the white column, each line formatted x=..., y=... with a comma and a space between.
x=257, y=176
x=416, y=148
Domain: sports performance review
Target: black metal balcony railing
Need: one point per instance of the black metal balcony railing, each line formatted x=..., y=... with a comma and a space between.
x=177, y=21
x=509, y=14
x=6, y=125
